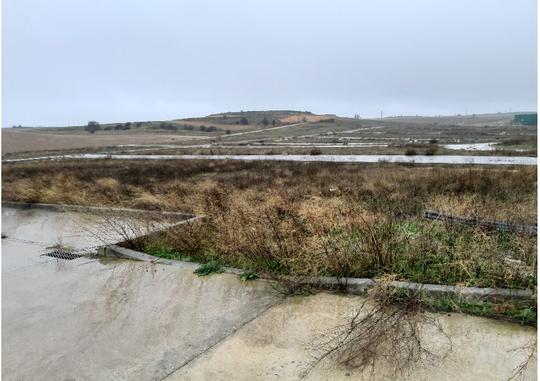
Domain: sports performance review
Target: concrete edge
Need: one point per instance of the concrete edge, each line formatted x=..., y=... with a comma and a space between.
x=350, y=285
x=95, y=209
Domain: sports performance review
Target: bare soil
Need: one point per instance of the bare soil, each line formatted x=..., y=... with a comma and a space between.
x=14, y=140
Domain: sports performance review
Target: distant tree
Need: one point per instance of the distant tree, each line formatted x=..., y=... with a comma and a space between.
x=265, y=122
x=273, y=122
x=92, y=126
x=244, y=121
x=432, y=150
x=138, y=124
x=228, y=132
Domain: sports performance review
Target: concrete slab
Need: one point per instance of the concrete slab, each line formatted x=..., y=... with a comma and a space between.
x=90, y=319
x=279, y=345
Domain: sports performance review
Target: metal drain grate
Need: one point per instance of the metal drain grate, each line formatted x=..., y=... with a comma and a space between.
x=62, y=254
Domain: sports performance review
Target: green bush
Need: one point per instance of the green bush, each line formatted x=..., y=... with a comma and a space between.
x=209, y=268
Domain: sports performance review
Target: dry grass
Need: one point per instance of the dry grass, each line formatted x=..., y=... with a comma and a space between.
x=307, y=219
x=494, y=193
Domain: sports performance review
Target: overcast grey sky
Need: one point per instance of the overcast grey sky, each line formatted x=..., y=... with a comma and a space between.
x=69, y=61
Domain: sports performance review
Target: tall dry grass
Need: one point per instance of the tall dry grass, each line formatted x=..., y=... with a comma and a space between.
x=504, y=193
x=307, y=219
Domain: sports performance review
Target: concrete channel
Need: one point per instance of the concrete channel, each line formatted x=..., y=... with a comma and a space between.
x=93, y=318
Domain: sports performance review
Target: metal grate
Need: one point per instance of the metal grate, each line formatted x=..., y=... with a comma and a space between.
x=491, y=225
x=62, y=254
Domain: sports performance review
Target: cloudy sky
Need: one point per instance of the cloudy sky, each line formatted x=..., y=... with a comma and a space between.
x=69, y=61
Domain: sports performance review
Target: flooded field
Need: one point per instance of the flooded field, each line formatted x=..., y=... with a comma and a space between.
x=418, y=159
x=472, y=146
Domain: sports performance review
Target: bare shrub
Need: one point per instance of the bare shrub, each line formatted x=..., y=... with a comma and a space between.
x=390, y=329
x=432, y=150
x=530, y=349
x=124, y=226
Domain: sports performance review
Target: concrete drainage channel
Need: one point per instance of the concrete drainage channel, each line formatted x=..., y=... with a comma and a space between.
x=356, y=286
x=68, y=253
x=98, y=210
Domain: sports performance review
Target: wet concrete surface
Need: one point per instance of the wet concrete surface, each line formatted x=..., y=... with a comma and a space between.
x=283, y=342
x=90, y=319
x=98, y=319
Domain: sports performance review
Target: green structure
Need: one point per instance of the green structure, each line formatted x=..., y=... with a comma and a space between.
x=525, y=119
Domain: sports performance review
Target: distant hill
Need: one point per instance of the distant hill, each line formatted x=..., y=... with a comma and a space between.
x=269, y=117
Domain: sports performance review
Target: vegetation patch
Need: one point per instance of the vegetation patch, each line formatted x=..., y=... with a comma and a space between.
x=209, y=268
x=248, y=275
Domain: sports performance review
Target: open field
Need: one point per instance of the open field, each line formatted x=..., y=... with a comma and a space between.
x=288, y=132
x=308, y=219
x=21, y=140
